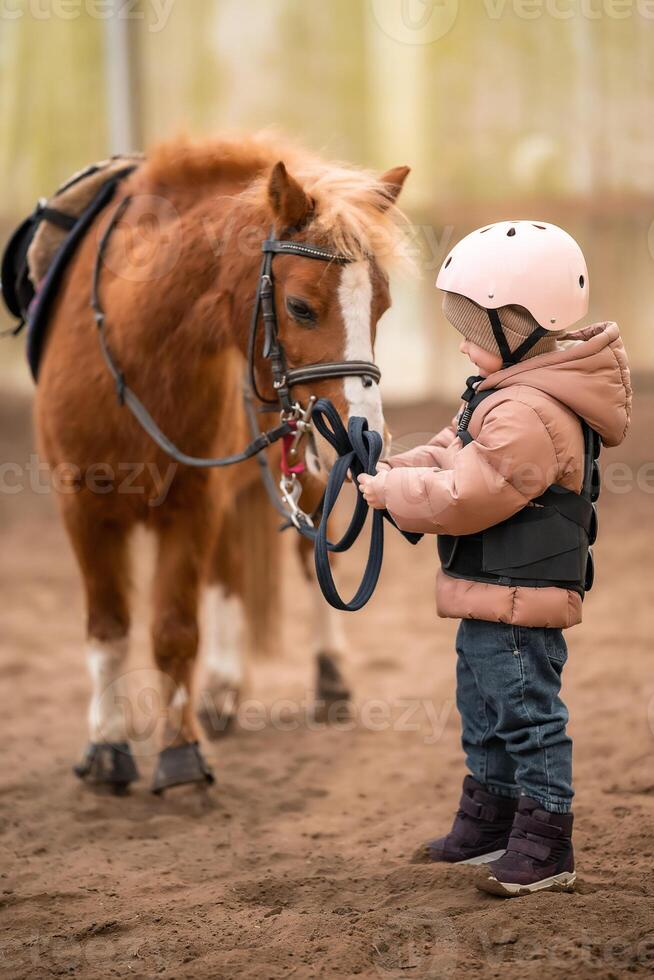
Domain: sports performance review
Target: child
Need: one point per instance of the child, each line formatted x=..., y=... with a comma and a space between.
x=508, y=489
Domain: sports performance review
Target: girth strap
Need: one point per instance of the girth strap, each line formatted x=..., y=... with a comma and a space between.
x=59, y=218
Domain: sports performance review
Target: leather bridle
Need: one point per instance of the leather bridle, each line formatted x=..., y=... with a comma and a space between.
x=295, y=419
x=283, y=378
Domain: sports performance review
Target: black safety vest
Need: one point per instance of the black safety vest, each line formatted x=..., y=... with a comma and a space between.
x=547, y=543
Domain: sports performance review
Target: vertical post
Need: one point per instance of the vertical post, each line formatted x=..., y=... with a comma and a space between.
x=398, y=121
x=121, y=78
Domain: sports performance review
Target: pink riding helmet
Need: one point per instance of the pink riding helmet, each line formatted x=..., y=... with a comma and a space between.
x=521, y=263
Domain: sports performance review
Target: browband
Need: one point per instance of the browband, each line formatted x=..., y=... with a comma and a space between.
x=300, y=248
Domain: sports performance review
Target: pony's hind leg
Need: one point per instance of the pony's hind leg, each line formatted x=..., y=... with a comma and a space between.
x=225, y=661
x=101, y=550
x=332, y=692
x=180, y=567
x=242, y=602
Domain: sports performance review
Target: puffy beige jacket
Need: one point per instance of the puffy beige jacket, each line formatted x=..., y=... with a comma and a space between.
x=526, y=436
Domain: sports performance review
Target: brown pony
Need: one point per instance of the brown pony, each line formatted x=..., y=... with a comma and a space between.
x=178, y=283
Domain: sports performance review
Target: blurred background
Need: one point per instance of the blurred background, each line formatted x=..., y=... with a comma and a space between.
x=503, y=109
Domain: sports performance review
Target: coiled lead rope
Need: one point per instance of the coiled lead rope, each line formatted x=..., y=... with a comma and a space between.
x=359, y=449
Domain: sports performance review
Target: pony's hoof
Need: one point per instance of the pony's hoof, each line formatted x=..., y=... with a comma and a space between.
x=179, y=765
x=330, y=684
x=109, y=764
x=332, y=704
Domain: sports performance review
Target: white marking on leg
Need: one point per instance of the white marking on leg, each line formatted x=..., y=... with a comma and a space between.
x=355, y=299
x=224, y=639
x=108, y=717
x=329, y=635
x=175, y=714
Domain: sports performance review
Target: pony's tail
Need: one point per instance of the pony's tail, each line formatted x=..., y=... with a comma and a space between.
x=260, y=541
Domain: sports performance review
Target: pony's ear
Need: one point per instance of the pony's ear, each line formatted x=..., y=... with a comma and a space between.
x=394, y=181
x=290, y=205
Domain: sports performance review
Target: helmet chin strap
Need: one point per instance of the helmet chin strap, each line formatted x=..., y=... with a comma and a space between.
x=510, y=358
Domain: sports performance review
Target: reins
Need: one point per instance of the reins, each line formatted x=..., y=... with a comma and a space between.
x=127, y=397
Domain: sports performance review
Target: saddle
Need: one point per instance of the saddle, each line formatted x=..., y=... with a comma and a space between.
x=42, y=246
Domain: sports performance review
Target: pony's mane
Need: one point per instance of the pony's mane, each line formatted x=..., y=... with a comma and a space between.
x=354, y=212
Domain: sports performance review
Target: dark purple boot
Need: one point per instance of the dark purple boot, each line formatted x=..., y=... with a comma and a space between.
x=539, y=855
x=480, y=830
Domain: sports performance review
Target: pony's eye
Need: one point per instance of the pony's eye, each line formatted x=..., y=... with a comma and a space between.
x=301, y=311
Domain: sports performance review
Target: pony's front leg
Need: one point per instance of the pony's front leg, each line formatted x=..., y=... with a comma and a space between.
x=101, y=550
x=181, y=558
x=328, y=643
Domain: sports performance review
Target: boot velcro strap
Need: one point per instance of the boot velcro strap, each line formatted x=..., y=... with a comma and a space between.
x=540, y=852
x=479, y=811
x=530, y=825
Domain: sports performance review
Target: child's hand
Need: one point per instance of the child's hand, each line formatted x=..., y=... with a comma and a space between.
x=372, y=488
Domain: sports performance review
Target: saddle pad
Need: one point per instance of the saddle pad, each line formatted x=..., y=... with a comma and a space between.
x=41, y=248
x=72, y=198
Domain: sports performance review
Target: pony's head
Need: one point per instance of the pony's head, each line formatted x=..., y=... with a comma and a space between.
x=329, y=311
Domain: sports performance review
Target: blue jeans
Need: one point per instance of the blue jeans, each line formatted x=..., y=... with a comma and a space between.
x=513, y=720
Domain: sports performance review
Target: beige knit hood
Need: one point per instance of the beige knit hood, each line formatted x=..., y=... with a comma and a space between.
x=472, y=321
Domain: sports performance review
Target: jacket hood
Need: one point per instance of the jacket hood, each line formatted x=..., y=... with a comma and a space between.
x=590, y=376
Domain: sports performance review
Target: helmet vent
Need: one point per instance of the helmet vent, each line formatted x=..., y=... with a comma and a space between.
x=542, y=227
x=511, y=232
x=485, y=229
x=581, y=281
x=448, y=262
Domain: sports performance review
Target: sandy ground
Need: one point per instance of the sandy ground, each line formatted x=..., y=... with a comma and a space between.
x=297, y=863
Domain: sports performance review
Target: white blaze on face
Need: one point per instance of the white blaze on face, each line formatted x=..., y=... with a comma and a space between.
x=355, y=298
